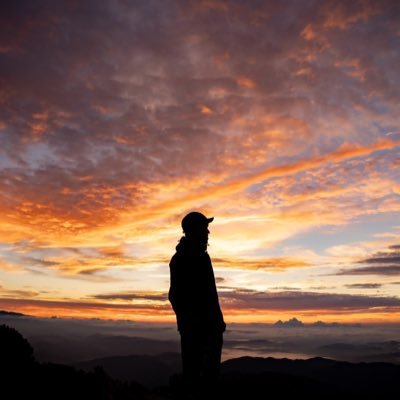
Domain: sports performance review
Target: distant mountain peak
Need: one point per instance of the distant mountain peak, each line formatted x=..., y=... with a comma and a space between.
x=292, y=323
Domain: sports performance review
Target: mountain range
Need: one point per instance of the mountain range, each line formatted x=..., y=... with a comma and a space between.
x=146, y=377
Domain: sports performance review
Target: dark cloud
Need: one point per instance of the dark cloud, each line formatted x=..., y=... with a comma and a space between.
x=383, y=258
x=322, y=287
x=288, y=300
x=133, y=296
x=91, y=271
x=234, y=299
x=381, y=263
x=364, y=285
x=389, y=270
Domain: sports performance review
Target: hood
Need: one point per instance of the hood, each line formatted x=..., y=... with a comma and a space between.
x=187, y=245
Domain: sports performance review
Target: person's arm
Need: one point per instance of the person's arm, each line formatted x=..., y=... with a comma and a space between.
x=173, y=295
x=217, y=316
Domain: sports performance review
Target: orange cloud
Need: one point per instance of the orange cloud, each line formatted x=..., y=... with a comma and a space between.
x=206, y=110
x=236, y=185
x=89, y=309
x=44, y=223
x=244, y=82
x=161, y=311
x=337, y=15
x=273, y=264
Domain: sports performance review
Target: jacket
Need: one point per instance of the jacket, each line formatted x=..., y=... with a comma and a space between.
x=193, y=293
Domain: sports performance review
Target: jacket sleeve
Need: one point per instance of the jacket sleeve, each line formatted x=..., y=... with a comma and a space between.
x=173, y=295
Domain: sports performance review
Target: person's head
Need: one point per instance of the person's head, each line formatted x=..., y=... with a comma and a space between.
x=195, y=226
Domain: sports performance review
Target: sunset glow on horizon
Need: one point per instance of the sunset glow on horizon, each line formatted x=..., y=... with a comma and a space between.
x=278, y=119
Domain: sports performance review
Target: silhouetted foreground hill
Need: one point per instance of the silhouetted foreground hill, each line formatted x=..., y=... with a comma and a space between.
x=316, y=376
x=67, y=350
x=10, y=313
x=151, y=371
x=22, y=377
x=335, y=378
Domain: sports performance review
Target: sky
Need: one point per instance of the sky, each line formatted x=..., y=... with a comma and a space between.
x=279, y=119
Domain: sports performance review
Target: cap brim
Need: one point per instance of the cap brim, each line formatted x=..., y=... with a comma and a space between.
x=209, y=220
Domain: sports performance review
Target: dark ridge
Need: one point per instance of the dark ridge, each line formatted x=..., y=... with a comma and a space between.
x=11, y=313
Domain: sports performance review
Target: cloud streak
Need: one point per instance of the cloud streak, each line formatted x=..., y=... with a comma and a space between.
x=289, y=300
x=238, y=301
x=382, y=263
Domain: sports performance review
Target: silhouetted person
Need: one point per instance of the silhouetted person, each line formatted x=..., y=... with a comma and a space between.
x=193, y=296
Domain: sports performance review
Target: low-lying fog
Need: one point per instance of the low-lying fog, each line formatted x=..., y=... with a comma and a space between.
x=72, y=340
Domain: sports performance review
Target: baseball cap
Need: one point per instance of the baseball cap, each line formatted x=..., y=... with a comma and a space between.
x=194, y=219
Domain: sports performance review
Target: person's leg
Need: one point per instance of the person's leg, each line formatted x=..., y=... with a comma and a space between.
x=191, y=358
x=212, y=357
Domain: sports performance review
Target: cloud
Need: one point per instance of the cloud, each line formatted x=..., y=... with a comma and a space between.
x=73, y=262
x=388, y=270
x=153, y=297
x=383, y=258
x=288, y=300
x=381, y=263
x=18, y=293
x=87, y=309
x=156, y=303
x=364, y=285
x=273, y=264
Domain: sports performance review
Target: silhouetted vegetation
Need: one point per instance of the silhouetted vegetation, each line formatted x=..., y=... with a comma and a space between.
x=24, y=378
x=15, y=350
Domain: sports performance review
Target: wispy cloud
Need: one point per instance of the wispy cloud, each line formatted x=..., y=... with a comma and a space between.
x=134, y=296
x=381, y=263
x=235, y=302
x=268, y=264
x=389, y=270
x=290, y=300
x=364, y=285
